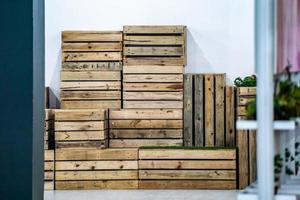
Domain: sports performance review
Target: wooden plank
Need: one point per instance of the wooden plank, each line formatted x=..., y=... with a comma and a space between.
x=96, y=165
x=80, y=135
x=188, y=110
x=48, y=185
x=77, y=95
x=230, y=116
x=93, y=104
x=151, y=78
x=96, y=175
x=48, y=175
x=246, y=91
x=153, y=104
x=152, y=86
x=81, y=144
x=75, y=115
x=187, y=184
x=95, y=154
x=209, y=110
x=187, y=164
x=160, y=61
x=90, y=75
x=153, y=95
x=152, y=51
x=80, y=126
x=129, y=143
x=49, y=114
x=220, y=82
x=96, y=185
x=242, y=144
x=49, y=166
x=49, y=155
x=91, y=56
x=153, y=40
x=188, y=174
x=99, y=66
x=145, y=133
x=91, y=46
x=153, y=69
x=153, y=29
x=198, y=110
x=243, y=101
x=142, y=124
x=225, y=154
x=92, y=36
x=252, y=157
x=91, y=85
x=145, y=114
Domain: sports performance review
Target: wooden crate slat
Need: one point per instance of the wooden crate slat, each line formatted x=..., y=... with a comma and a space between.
x=125, y=143
x=90, y=47
x=209, y=110
x=96, y=185
x=80, y=135
x=242, y=144
x=246, y=91
x=89, y=66
x=187, y=164
x=101, y=144
x=90, y=75
x=153, y=29
x=152, y=78
x=220, y=83
x=230, y=116
x=145, y=133
x=187, y=184
x=153, y=104
x=188, y=107
x=145, y=114
x=153, y=95
x=152, y=69
x=153, y=51
x=91, y=36
x=73, y=115
x=146, y=124
x=86, y=85
x=96, y=165
x=252, y=157
x=92, y=104
x=91, y=56
x=199, y=110
x=153, y=40
x=96, y=95
x=153, y=86
x=162, y=61
x=80, y=126
x=48, y=185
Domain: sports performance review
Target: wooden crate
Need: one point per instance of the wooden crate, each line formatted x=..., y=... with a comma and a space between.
x=149, y=86
x=47, y=97
x=91, y=70
x=246, y=140
x=154, y=45
x=187, y=168
x=145, y=127
x=208, y=111
x=49, y=170
x=81, y=128
x=92, y=169
x=49, y=129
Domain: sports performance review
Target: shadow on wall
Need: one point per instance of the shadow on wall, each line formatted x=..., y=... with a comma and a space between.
x=196, y=64
x=55, y=83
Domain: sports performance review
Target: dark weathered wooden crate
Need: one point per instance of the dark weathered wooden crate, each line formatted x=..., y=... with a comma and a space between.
x=244, y=96
x=145, y=127
x=149, y=86
x=92, y=169
x=187, y=169
x=91, y=70
x=81, y=128
x=49, y=170
x=208, y=111
x=154, y=45
x=49, y=129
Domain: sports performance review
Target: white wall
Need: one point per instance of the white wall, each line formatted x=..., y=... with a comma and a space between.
x=220, y=32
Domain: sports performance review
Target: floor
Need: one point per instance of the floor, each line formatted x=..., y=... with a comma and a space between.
x=142, y=195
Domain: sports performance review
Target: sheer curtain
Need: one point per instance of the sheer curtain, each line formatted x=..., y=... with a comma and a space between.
x=288, y=50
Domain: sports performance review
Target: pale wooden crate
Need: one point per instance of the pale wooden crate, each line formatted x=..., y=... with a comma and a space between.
x=94, y=169
x=208, y=111
x=145, y=127
x=149, y=86
x=154, y=45
x=81, y=128
x=167, y=168
x=49, y=170
x=91, y=69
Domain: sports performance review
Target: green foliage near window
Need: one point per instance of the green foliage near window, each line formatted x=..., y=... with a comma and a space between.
x=248, y=81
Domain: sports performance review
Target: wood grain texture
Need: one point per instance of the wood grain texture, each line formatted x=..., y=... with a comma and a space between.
x=246, y=91
x=80, y=126
x=130, y=143
x=153, y=69
x=80, y=135
x=209, y=110
x=86, y=104
x=188, y=110
x=91, y=36
x=252, y=157
x=144, y=133
x=90, y=66
x=99, y=144
x=159, y=61
x=95, y=95
x=153, y=87
x=91, y=46
x=199, y=110
x=142, y=124
x=96, y=165
x=77, y=115
x=220, y=109
x=153, y=40
x=153, y=95
x=153, y=29
x=230, y=116
x=242, y=144
x=91, y=85
x=90, y=75
x=91, y=56
x=153, y=51
x=145, y=114
x=149, y=78
x=153, y=104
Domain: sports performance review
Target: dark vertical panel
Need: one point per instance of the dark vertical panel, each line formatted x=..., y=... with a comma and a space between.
x=188, y=110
